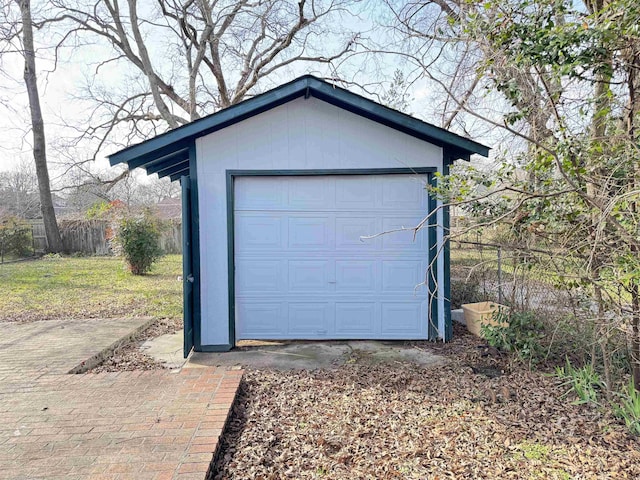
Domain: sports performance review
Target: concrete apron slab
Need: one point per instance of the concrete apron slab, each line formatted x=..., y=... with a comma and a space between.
x=315, y=355
x=166, y=349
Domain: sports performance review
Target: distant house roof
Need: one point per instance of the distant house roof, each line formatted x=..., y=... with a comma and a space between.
x=168, y=154
x=169, y=208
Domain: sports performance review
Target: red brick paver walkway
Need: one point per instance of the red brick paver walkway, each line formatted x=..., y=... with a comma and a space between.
x=137, y=425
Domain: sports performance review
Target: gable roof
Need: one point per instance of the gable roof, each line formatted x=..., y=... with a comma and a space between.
x=168, y=154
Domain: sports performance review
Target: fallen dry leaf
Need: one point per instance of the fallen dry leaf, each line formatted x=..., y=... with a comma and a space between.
x=402, y=421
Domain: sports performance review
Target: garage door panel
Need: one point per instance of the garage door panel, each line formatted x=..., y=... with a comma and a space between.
x=261, y=275
x=402, y=276
x=355, y=193
x=350, y=231
x=260, y=318
x=259, y=232
x=253, y=193
x=310, y=276
x=403, y=192
x=403, y=318
x=356, y=318
x=303, y=270
x=309, y=319
x=306, y=232
x=399, y=234
x=356, y=276
x=311, y=193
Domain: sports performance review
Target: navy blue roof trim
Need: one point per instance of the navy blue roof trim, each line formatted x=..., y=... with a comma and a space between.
x=172, y=147
x=178, y=174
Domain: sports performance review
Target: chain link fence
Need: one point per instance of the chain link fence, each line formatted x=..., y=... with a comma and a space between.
x=490, y=272
x=526, y=281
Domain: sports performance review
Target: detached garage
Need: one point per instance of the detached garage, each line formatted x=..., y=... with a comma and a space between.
x=298, y=213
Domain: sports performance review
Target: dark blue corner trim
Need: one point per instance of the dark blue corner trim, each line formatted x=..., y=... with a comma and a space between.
x=446, y=224
x=195, y=248
x=172, y=147
x=432, y=271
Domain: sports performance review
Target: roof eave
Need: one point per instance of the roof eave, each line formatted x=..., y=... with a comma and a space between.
x=394, y=118
x=173, y=145
x=233, y=114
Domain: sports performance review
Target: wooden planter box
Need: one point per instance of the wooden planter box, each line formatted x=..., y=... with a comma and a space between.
x=481, y=313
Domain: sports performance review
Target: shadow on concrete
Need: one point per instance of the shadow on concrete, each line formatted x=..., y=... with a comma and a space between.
x=314, y=355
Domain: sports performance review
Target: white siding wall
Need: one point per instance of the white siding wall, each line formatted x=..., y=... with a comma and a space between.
x=302, y=134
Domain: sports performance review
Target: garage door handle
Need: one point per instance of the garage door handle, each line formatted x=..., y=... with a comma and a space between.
x=332, y=282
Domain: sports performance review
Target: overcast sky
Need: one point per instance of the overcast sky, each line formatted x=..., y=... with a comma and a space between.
x=59, y=90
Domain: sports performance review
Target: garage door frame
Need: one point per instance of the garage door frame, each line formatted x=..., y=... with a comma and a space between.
x=432, y=237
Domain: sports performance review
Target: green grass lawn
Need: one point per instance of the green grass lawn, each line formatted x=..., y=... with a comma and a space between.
x=464, y=258
x=88, y=287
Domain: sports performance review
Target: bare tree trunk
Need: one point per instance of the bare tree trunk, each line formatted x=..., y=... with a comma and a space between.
x=632, y=115
x=52, y=232
x=597, y=192
x=635, y=338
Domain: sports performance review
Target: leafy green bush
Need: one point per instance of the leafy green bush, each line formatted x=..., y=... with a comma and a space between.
x=138, y=240
x=517, y=332
x=98, y=210
x=15, y=237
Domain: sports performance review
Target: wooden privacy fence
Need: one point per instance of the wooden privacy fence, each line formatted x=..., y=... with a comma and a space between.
x=171, y=237
x=85, y=236
x=38, y=235
x=91, y=236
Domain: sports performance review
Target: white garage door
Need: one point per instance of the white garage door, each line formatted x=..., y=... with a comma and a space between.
x=303, y=270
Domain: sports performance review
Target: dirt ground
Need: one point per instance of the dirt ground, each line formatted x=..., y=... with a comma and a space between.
x=129, y=357
x=478, y=416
